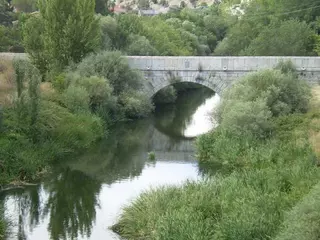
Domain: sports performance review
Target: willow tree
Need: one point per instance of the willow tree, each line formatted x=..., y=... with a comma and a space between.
x=70, y=31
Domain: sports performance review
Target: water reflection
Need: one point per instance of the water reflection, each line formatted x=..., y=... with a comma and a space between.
x=71, y=204
x=190, y=116
x=202, y=121
x=84, y=196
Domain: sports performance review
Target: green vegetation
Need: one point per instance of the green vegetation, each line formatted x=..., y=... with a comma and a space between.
x=67, y=97
x=266, y=166
x=302, y=222
x=66, y=32
x=151, y=156
x=218, y=29
x=2, y=225
x=65, y=116
x=77, y=85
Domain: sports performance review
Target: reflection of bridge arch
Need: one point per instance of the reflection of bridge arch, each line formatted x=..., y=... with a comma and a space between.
x=126, y=154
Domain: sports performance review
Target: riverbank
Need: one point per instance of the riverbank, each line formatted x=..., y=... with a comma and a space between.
x=50, y=120
x=260, y=177
x=43, y=122
x=117, y=166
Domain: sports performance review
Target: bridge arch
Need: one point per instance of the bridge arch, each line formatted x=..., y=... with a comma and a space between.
x=157, y=80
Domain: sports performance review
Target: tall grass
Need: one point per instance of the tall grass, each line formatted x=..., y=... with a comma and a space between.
x=303, y=221
x=267, y=166
x=246, y=204
x=43, y=125
x=7, y=85
x=314, y=132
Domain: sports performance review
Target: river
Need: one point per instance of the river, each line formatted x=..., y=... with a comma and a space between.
x=84, y=195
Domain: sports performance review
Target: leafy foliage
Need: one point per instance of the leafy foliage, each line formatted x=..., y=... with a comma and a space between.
x=66, y=30
x=125, y=84
x=288, y=38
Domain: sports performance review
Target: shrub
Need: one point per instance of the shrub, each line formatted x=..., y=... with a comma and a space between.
x=59, y=132
x=60, y=82
x=284, y=94
x=76, y=98
x=70, y=131
x=248, y=118
x=126, y=100
x=287, y=67
x=135, y=104
x=98, y=88
x=111, y=66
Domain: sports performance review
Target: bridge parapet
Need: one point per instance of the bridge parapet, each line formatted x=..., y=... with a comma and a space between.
x=248, y=63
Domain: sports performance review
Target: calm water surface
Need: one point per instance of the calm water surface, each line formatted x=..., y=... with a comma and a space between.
x=84, y=196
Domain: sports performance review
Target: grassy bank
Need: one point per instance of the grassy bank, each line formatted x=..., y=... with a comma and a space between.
x=43, y=122
x=265, y=147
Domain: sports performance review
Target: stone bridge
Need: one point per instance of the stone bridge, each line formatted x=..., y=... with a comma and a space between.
x=216, y=73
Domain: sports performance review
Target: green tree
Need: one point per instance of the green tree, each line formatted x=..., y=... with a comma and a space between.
x=238, y=38
x=109, y=29
x=140, y=46
x=127, y=24
x=71, y=30
x=6, y=15
x=287, y=38
x=33, y=41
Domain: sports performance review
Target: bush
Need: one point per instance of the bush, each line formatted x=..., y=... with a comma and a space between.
x=287, y=67
x=252, y=113
x=98, y=88
x=112, y=66
x=283, y=93
x=70, y=131
x=60, y=82
x=135, y=104
x=143, y=4
x=76, y=98
x=126, y=99
x=59, y=132
x=248, y=118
